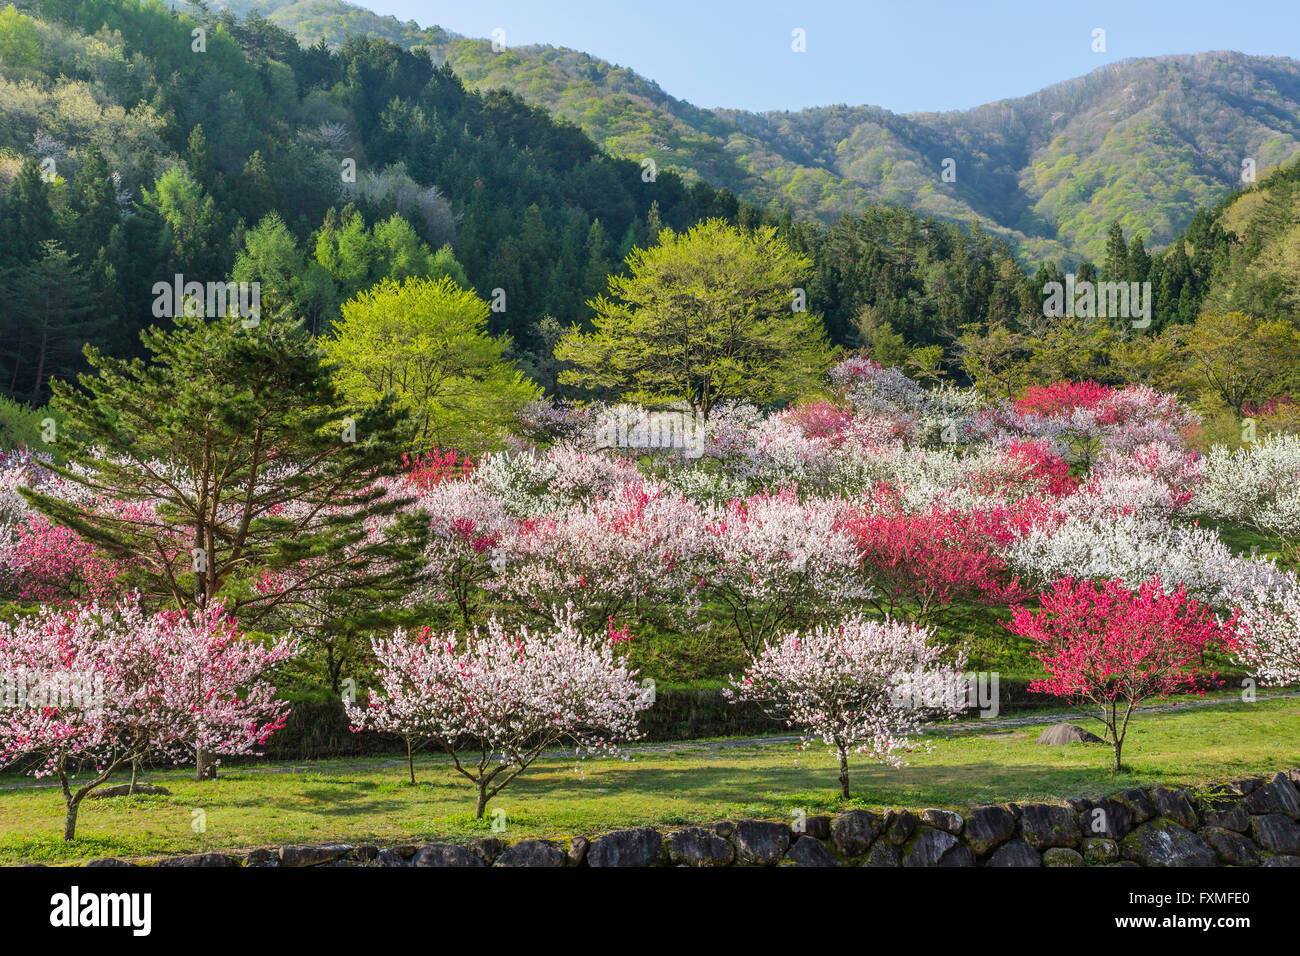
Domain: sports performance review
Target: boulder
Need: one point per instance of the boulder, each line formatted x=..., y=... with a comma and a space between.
x=446, y=854
x=1283, y=861
x=108, y=861
x=899, y=826
x=1176, y=805
x=760, y=842
x=1015, y=853
x=1062, y=856
x=819, y=827
x=883, y=854
x=1244, y=785
x=200, y=859
x=1219, y=808
x=1277, y=796
x=367, y=854
x=696, y=846
x=853, y=832
x=938, y=848
x=1275, y=833
x=1164, y=843
x=391, y=858
x=1100, y=850
x=1058, y=735
x=1045, y=825
x=943, y=819
x=1111, y=817
x=578, y=848
x=1140, y=805
x=988, y=827
x=643, y=846
x=1231, y=848
x=489, y=848
x=809, y=851
x=313, y=855
x=532, y=853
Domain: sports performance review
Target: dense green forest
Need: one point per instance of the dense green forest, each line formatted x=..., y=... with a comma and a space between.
x=1145, y=141
x=128, y=157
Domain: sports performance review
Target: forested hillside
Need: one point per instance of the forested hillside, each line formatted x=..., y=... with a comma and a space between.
x=1145, y=141
x=127, y=157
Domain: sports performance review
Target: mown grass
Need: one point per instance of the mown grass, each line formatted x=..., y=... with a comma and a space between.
x=369, y=801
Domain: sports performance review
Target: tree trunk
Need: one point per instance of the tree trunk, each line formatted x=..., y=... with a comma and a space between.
x=410, y=759
x=204, y=767
x=40, y=368
x=70, y=822
x=135, y=772
x=482, y=801
x=844, y=774
x=1119, y=744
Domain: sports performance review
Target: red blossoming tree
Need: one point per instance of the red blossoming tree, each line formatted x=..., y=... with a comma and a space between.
x=1109, y=648
x=920, y=564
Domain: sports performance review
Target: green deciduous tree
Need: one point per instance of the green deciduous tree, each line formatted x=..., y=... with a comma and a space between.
x=705, y=315
x=1238, y=357
x=427, y=342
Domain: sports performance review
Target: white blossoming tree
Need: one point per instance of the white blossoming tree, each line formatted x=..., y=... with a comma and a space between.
x=862, y=686
x=771, y=560
x=496, y=701
x=1270, y=632
x=1258, y=486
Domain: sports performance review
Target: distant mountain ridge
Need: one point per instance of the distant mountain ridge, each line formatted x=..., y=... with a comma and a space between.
x=1145, y=141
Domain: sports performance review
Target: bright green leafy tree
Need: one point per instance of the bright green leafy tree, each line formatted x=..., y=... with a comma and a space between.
x=705, y=315
x=426, y=341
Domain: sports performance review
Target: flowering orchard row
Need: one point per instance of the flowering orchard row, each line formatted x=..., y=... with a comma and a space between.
x=829, y=538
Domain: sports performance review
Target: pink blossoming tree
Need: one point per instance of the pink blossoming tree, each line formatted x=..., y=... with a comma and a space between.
x=128, y=686
x=496, y=701
x=1269, y=639
x=862, y=686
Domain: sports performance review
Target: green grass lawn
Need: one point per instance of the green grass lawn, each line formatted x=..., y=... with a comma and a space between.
x=366, y=801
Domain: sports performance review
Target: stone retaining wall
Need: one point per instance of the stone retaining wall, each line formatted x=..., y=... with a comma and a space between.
x=1252, y=821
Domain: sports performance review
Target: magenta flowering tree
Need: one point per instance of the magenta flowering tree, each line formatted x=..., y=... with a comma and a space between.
x=468, y=531
x=861, y=686
x=1109, y=648
x=106, y=685
x=42, y=561
x=496, y=701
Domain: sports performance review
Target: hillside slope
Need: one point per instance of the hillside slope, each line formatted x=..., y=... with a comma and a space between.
x=1145, y=141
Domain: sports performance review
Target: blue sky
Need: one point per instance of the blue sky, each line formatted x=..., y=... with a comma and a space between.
x=907, y=56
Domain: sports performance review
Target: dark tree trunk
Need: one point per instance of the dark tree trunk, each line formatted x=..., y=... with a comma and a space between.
x=70, y=821
x=204, y=767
